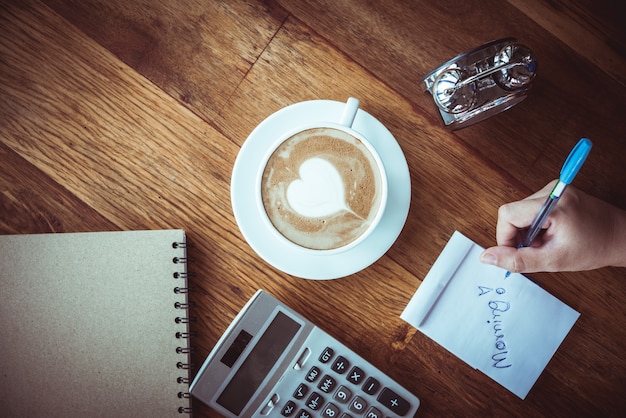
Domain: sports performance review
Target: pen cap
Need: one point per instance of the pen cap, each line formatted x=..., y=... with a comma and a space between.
x=575, y=160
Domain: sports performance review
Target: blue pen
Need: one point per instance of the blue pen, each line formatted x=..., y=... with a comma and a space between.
x=574, y=161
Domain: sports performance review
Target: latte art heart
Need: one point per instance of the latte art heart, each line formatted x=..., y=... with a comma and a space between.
x=321, y=188
x=319, y=191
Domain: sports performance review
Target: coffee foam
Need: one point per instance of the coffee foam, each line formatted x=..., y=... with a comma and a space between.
x=321, y=188
x=319, y=191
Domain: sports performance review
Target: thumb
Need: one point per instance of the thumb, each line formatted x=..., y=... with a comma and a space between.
x=509, y=258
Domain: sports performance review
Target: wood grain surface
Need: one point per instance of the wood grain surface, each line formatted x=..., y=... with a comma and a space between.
x=129, y=115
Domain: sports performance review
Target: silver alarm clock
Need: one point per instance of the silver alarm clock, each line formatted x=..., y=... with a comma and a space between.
x=481, y=82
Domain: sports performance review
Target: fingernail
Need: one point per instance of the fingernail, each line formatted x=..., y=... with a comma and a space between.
x=489, y=258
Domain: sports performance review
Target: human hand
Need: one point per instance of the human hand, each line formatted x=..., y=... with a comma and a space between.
x=581, y=233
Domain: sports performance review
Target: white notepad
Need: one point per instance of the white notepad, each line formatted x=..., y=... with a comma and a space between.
x=507, y=328
x=88, y=324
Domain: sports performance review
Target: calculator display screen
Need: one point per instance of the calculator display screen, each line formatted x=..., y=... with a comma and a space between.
x=259, y=362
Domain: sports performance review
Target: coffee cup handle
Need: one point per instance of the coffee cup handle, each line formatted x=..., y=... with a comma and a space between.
x=349, y=112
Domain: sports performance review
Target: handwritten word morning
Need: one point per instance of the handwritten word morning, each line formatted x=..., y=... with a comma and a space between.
x=497, y=309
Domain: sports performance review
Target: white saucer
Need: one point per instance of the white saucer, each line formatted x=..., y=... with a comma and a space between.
x=261, y=238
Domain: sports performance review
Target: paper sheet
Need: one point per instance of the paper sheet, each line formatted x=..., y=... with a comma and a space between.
x=506, y=328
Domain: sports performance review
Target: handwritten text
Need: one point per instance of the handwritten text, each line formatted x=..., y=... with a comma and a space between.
x=497, y=309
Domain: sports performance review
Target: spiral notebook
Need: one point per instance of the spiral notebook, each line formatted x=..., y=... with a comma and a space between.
x=94, y=324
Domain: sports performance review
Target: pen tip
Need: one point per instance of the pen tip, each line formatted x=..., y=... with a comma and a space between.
x=507, y=274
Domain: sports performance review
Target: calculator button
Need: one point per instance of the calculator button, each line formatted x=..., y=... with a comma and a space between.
x=343, y=394
x=327, y=384
x=346, y=416
x=313, y=374
x=371, y=386
x=330, y=411
x=315, y=401
x=374, y=413
x=340, y=365
x=288, y=409
x=304, y=414
x=326, y=355
x=393, y=401
x=356, y=375
x=301, y=391
x=358, y=405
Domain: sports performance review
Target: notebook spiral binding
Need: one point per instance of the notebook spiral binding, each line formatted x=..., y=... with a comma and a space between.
x=183, y=320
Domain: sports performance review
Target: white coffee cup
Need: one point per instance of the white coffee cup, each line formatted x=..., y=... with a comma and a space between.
x=322, y=188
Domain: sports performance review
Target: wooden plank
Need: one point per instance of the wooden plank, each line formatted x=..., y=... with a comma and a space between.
x=594, y=29
x=31, y=202
x=196, y=51
x=100, y=125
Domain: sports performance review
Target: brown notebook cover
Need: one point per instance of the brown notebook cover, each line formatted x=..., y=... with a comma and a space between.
x=88, y=324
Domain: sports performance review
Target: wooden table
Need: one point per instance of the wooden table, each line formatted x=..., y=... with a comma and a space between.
x=129, y=115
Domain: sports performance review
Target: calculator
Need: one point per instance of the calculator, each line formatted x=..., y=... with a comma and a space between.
x=272, y=362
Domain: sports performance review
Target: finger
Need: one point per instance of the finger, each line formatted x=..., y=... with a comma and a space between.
x=523, y=260
x=544, y=192
x=515, y=216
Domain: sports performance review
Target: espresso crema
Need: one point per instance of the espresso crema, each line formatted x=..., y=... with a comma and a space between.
x=321, y=188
